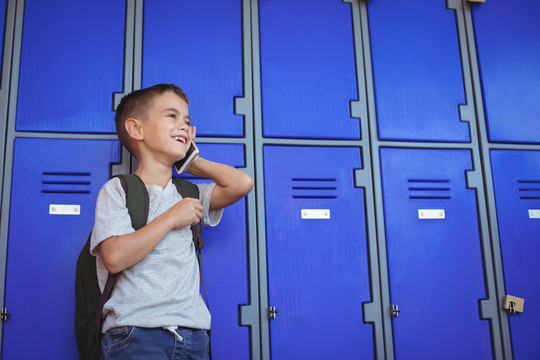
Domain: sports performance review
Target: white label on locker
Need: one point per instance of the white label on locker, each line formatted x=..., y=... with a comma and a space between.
x=534, y=213
x=58, y=209
x=428, y=214
x=315, y=213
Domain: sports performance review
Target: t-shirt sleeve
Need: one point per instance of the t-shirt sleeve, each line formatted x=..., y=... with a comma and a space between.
x=209, y=218
x=112, y=217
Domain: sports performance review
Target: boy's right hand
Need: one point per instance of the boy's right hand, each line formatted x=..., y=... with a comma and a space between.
x=186, y=212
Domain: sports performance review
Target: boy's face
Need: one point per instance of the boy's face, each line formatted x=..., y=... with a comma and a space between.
x=167, y=128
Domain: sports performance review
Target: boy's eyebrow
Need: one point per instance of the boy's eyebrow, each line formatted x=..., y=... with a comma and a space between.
x=171, y=109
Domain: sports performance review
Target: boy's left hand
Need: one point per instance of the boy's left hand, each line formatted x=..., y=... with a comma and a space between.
x=232, y=184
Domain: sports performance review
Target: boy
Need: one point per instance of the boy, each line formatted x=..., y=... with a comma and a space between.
x=156, y=310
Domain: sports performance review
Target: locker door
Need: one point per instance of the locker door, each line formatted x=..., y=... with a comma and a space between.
x=417, y=72
x=71, y=64
x=308, y=73
x=516, y=178
x=317, y=254
x=509, y=58
x=225, y=266
x=434, y=255
x=50, y=177
x=198, y=46
x=2, y=32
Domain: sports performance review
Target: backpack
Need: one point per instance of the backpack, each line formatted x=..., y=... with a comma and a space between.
x=89, y=300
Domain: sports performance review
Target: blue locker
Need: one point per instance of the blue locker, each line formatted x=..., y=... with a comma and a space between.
x=516, y=179
x=72, y=61
x=225, y=265
x=2, y=33
x=49, y=175
x=417, y=72
x=198, y=46
x=509, y=59
x=318, y=274
x=434, y=255
x=308, y=74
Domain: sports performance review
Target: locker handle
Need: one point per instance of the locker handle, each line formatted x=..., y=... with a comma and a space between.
x=5, y=314
x=272, y=311
x=394, y=310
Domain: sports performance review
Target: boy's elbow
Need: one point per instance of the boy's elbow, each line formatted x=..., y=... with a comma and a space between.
x=111, y=258
x=112, y=267
x=246, y=185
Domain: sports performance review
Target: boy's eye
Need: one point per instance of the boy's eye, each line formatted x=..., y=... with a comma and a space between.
x=173, y=115
x=188, y=123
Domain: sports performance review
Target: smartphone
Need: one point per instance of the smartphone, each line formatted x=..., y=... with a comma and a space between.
x=181, y=165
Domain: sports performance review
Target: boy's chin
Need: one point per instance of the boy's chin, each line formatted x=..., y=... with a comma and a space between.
x=181, y=155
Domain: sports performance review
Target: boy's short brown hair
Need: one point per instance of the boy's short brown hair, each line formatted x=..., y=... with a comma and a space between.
x=136, y=105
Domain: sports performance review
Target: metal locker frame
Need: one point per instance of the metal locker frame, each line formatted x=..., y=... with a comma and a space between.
x=248, y=313
x=254, y=314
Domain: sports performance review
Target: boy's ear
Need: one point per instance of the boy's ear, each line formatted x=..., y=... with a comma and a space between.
x=134, y=129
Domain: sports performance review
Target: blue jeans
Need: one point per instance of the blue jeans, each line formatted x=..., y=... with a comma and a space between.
x=130, y=343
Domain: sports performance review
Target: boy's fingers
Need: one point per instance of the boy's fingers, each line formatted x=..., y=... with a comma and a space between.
x=193, y=132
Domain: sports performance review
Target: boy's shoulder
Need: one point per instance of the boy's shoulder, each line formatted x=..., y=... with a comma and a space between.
x=112, y=183
x=112, y=190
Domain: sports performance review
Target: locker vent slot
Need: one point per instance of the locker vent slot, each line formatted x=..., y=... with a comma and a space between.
x=429, y=189
x=314, y=188
x=53, y=182
x=529, y=189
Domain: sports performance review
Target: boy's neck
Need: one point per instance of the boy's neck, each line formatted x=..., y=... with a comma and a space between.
x=154, y=173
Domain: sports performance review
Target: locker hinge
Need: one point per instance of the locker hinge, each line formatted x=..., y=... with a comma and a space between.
x=5, y=314
x=513, y=304
x=272, y=311
x=394, y=310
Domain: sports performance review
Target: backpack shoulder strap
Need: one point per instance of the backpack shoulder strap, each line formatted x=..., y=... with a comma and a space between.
x=137, y=201
x=186, y=188
x=137, y=204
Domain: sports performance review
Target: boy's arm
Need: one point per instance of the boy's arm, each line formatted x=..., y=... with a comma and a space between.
x=231, y=184
x=120, y=252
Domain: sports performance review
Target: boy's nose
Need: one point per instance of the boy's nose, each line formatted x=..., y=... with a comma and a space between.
x=183, y=126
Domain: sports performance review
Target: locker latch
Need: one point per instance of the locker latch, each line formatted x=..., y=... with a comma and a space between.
x=513, y=304
x=394, y=310
x=5, y=314
x=272, y=311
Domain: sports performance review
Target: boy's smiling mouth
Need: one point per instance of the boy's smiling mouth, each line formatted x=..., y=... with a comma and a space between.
x=182, y=139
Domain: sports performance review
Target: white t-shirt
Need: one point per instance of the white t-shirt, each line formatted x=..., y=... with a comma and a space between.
x=163, y=288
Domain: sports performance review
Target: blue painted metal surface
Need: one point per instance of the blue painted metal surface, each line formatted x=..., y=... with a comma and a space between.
x=2, y=32
x=71, y=64
x=225, y=265
x=43, y=248
x=507, y=41
x=317, y=269
x=417, y=71
x=308, y=73
x=435, y=266
x=198, y=46
x=516, y=178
